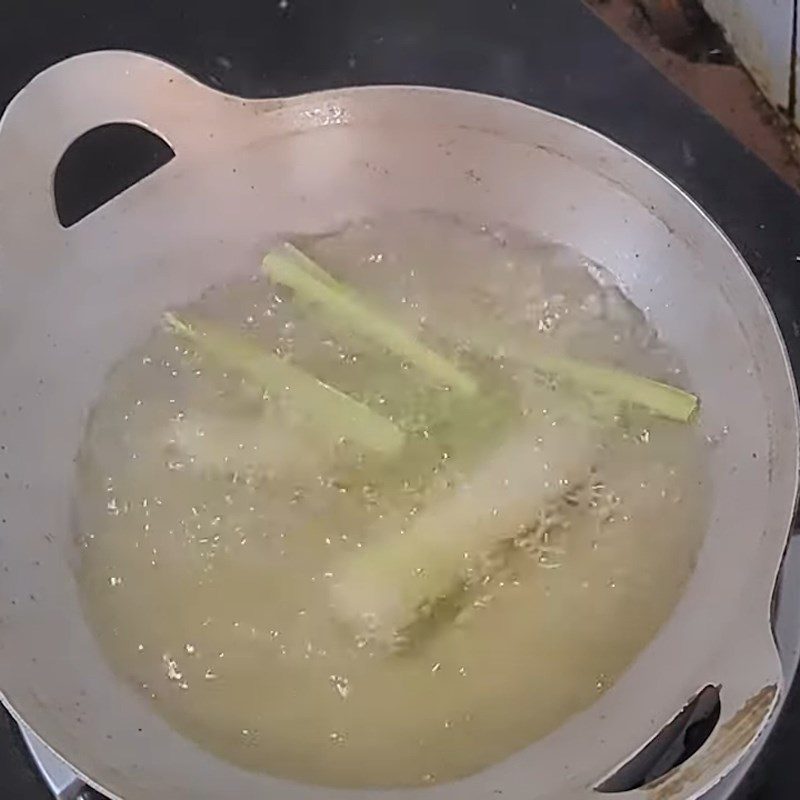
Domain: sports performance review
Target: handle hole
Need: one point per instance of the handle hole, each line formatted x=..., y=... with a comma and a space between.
x=103, y=163
x=675, y=743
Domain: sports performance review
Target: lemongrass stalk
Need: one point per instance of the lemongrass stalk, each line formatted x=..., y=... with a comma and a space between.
x=658, y=398
x=326, y=410
x=382, y=588
x=288, y=266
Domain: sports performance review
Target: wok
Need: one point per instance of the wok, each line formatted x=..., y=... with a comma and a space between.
x=74, y=300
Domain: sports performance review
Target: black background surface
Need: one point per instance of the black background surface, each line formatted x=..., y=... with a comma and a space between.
x=551, y=53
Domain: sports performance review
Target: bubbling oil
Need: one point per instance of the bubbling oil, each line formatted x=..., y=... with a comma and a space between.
x=207, y=576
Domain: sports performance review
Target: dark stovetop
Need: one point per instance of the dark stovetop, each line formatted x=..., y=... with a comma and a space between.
x=551, y=53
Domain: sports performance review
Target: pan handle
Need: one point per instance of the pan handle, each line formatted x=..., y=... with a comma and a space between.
x=78, y=95
x=751, y=682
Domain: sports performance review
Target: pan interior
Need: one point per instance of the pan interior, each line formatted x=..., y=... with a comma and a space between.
x=212, y=536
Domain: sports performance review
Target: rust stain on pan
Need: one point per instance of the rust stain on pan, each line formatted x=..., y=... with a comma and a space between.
x=731, y=737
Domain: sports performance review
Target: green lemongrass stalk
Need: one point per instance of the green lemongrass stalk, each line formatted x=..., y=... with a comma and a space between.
x=660, y=399
x=287, y=266
x=328, y=411
x=384, y=587
x=656, y=397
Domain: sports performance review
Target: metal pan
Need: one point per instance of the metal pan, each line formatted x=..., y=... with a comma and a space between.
x=72, y=301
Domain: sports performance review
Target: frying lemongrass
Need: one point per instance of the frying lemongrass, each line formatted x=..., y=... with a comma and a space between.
x=383, y=586
x=656, y=397
x=620, y=386
x=288, y=266
x=333, y=415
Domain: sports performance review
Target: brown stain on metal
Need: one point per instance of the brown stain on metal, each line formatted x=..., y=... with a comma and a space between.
x=731, y=737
